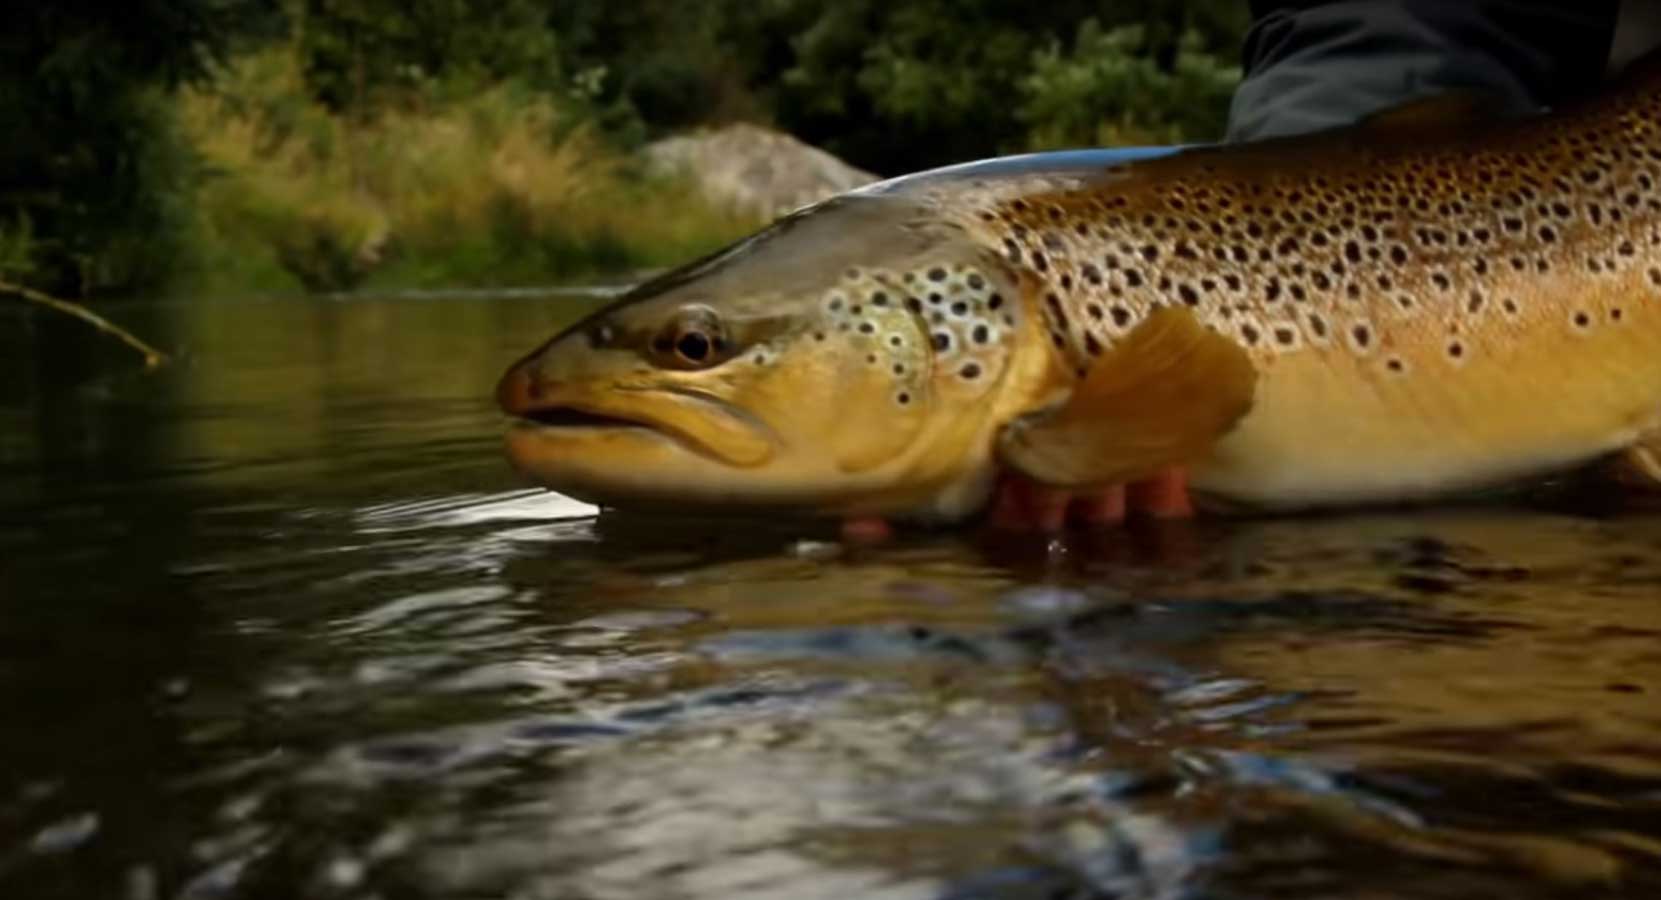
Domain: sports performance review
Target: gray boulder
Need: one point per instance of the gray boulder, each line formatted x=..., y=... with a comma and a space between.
x=754, y=170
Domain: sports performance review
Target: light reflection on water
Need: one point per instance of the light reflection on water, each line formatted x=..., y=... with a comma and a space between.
x=279, y=622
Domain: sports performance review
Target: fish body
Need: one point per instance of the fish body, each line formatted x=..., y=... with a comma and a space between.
x=1424, y=303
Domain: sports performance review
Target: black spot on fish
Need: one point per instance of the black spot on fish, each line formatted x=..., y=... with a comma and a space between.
x=937, y=274
x=942, y=341
x=981, y=334
x=970, y=371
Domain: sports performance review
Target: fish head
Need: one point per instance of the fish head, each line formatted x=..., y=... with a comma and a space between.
x=842, y=361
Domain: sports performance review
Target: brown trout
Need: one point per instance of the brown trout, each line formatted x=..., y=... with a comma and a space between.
x=1424, y=303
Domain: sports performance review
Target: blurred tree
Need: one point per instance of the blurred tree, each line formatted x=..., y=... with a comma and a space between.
x=899, y=86
x=93, y=173
x=358, y=54
x=659, y=66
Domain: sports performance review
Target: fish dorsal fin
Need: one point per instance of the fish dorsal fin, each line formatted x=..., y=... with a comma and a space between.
x=1160, y=397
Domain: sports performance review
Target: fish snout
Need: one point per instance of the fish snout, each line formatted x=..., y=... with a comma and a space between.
x=519, y=392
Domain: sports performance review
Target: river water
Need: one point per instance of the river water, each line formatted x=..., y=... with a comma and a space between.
x=277, y=621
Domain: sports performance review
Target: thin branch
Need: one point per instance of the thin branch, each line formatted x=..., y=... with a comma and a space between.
x=152, y=356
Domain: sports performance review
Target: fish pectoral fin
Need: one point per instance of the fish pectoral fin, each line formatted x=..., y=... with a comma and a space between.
x=1160, y=397
x=1639, y=466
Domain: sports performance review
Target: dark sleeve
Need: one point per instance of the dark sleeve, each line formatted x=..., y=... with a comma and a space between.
x=1313, y=65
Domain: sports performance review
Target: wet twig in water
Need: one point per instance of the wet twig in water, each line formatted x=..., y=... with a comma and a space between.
x=152, y=356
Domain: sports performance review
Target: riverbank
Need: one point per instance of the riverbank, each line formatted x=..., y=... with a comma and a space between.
x=495, y=187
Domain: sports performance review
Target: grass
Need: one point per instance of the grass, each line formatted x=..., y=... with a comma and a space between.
x=502, y=187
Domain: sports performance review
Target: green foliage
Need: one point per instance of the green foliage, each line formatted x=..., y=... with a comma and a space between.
x=92, y=159
x=896, y=87
x=17, y=249
x=361, y=54
x=495, y=188
x=329, y=151
x=899, y=86
x=1109, y=91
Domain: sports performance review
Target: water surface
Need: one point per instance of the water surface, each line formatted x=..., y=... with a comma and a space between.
x=278, y=622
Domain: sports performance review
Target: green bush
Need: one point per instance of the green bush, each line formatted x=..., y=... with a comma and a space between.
x=897, y=87
x=1109, y=91
x=498, y=188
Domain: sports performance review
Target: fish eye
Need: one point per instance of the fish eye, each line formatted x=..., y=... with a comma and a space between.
x=693, y=346
x=693, y=339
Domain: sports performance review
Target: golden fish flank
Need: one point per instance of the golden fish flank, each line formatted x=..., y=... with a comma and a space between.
x=1415, y=305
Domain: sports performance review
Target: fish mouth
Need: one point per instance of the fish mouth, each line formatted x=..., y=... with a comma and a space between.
x=558, y=426
x=554, y=420
x=568, y=417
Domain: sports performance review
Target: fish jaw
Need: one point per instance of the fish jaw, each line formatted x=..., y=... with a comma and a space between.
x=556, y=420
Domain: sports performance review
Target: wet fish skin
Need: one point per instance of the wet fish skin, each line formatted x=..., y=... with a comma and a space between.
x=1428, y=302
